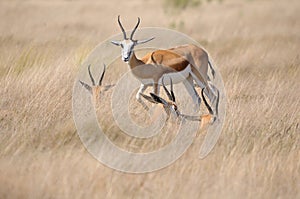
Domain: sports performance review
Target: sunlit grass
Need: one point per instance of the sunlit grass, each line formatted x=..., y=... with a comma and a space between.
x=257, y=156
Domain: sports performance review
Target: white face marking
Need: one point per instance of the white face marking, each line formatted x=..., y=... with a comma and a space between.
x=127, y=49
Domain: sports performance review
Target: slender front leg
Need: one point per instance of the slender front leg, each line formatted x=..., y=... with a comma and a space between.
x=142, y=89
x=156, y=88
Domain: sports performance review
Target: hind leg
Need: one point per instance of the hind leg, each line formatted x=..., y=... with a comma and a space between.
x=210, y=92
x=189, y=85
x=215, y=102
x=203, y=83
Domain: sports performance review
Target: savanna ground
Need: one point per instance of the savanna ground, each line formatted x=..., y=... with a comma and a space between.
x=255, y=45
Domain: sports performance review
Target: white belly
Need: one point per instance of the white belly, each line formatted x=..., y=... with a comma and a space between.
x=177, y=77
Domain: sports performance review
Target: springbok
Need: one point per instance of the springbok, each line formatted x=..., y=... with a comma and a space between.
x=95, y=90
x=183, y=64
x=172, y=110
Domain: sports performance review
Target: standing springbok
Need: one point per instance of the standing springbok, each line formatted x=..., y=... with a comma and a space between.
x=96, y=90
x=183, y=64
x=172, y=110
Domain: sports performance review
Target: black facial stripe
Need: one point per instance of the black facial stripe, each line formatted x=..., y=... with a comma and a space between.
x=129, y=54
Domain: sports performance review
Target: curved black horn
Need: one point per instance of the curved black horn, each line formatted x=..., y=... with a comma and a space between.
x=92, y=79
x=100, y=80
x=123, y=31
x=168, y=93
x=132, y=33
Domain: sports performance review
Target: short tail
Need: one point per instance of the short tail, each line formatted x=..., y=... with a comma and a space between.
x=213, y=72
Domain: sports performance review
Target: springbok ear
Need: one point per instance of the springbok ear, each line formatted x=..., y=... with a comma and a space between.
x=158, y=99
x=86, y=86
x=144, y=41
x=107, y=87
x=150, y=99
x=117, y=43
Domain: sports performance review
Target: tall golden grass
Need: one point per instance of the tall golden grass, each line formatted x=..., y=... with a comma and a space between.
x=255, y=45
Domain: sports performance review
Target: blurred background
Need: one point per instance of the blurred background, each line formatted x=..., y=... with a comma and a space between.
x=255, y=45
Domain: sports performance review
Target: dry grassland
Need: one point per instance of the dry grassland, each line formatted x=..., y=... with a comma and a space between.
x=255, y=45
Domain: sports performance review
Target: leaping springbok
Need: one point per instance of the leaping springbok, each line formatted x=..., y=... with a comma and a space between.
x=171, y=107
x=183, y=64
x=96, y=90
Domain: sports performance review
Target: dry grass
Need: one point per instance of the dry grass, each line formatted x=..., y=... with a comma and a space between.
x=256, y=47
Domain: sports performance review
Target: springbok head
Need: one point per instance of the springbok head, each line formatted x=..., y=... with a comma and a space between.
x=96, y=90
x=171, y=107
x=128, y=44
